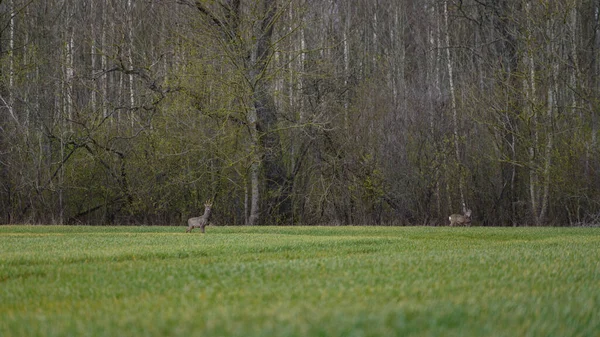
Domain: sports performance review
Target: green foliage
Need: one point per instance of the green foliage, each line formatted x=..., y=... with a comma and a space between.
x=344, y=114
x=298, y=281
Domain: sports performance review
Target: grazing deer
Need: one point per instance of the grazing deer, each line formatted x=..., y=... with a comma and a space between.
x=201, y=221
x=461, y=220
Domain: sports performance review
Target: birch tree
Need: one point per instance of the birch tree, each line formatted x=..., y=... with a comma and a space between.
x=453, y=108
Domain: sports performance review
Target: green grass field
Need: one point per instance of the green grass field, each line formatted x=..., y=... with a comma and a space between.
x=299, y=281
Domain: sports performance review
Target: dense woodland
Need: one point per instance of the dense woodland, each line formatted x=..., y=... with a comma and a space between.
x=300, y=112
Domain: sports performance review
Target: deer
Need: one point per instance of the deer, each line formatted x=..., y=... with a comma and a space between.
x=460, y=220
x=201, y=221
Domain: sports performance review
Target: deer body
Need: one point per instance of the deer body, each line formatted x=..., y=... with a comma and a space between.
x=460, y=220
x=202, y=221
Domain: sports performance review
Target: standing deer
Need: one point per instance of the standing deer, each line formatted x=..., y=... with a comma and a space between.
x=461, y=220
x=201, y=221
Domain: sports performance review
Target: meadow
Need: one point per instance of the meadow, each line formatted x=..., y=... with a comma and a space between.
x=299, y=281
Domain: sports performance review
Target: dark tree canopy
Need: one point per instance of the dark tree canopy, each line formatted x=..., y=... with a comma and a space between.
x=299, y=112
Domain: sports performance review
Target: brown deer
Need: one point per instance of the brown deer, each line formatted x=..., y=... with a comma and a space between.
x=461, y=220
x=201, y=221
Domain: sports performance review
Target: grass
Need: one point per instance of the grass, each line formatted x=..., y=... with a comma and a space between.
x=299, y=281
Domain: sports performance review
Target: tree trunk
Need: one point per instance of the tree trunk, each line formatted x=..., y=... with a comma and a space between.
x=130, y=60
x=529, y=88
x=276, y=183
x=552, y=51
x=453, y=108
x=104, y=62
x=93, y=91
x=11, y=57
x=255, y=194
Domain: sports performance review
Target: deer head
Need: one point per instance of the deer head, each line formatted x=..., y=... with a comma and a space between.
x=207, y=206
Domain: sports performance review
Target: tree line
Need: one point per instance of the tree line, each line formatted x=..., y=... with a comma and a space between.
x=299, y=112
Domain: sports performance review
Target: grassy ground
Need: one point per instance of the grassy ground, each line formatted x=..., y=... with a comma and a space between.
x=299, y=281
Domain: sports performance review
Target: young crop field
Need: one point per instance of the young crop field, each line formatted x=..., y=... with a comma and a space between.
x=299, y=281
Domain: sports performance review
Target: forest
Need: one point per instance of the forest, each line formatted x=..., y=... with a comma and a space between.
x=300, y=112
